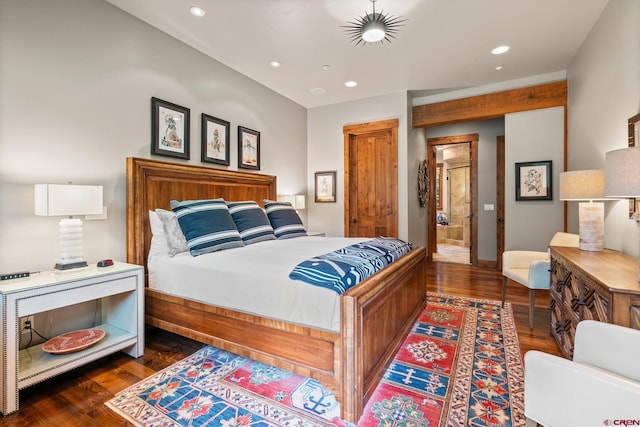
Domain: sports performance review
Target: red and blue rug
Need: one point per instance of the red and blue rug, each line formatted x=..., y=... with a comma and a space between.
x=459, y=366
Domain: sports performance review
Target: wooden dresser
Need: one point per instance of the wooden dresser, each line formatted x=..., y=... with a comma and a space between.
x=591, y=285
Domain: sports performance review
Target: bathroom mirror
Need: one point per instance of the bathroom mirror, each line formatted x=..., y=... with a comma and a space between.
x=634, y=140
x=439, y=186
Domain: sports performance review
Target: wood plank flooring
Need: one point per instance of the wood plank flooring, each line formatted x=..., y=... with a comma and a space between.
x=77, y=398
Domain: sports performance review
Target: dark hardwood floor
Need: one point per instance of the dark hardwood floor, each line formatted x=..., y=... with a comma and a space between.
x=77, y=398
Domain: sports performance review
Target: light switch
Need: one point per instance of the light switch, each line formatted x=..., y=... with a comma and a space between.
x=488, y=208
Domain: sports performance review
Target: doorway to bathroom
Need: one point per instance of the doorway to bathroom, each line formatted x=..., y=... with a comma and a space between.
x=452, y=233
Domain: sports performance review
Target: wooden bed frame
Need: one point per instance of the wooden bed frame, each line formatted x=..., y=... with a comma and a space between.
x=376, y=314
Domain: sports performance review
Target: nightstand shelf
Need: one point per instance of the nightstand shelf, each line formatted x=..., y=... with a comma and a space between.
x=36, y=364
x=118, y=291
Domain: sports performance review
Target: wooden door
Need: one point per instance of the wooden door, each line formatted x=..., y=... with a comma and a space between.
x=499, y=200
x=371, y=179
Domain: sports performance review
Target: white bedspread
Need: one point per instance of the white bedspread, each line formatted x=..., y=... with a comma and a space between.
x=255, y=279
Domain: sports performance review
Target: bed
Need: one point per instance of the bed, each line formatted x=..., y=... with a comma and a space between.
x=375, y=315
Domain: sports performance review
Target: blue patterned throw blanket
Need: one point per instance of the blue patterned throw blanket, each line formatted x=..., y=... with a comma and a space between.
x=343, y=268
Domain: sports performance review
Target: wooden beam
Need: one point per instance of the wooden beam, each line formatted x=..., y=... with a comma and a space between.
x=491, y=105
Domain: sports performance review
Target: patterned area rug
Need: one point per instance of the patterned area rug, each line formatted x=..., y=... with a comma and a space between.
x=459, y=366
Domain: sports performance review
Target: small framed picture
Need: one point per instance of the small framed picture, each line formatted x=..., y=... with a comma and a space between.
x=169, y=129
x=248, y=148
x=326, y=187
x=215, y=140
x=533, y=181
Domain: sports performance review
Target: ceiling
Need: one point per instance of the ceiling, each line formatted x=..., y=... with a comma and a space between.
x=443, y=45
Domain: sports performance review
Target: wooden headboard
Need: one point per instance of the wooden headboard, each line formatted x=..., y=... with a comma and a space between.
x=152, y=184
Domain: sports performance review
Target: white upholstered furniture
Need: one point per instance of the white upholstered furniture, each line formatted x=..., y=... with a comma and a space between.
x=531, y=268
x=599, y=387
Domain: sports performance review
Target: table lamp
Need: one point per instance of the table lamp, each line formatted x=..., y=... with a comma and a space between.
x=68, y=200
x=296, y=200
x=622, y=175
x=586, y=186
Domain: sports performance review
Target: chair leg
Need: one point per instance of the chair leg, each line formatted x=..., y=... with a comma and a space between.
x=504, y=289
x=532, y=306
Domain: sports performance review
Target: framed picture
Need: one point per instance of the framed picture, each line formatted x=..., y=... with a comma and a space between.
x=248, y=148
x=326, y=187
x=533, y=181
x=169, y=129
x=215, y=140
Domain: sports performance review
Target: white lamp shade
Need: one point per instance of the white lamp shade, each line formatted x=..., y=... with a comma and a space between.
x=582, y=185
x=296, y=200
x=67, y=199
x=622, y=173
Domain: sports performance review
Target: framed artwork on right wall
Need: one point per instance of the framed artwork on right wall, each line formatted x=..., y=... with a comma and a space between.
x=533, y=181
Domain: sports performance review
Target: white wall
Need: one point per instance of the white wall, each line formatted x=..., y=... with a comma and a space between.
x=604, y=91
x=76, y=80
x=487, y=131
x=326, y=152
x=416, y=153
x=531, y=136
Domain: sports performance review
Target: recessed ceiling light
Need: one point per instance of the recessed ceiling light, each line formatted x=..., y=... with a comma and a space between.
x=326, y=67
x=197, y=11
x=275, y=64
x=500, y=49
x=317, y=91
x=499, y=67
x=351, y=83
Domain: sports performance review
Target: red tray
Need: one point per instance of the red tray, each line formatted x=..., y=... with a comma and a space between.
x=73, y=341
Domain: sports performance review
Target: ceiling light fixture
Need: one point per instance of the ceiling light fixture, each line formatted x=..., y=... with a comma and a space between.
x=500, y=50
x=275, y=64
x=373, y=27
x=351, y=83
x=197, y=11
x=499, y=67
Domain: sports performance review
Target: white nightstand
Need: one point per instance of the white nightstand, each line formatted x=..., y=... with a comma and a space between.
x=120, y=288
x=316, y=233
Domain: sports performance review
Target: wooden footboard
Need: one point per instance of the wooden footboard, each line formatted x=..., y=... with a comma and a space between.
x=376, y=315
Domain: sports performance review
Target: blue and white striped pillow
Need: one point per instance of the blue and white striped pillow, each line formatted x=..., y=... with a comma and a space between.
x=252, y=222
x=207, y=225
x=284, y=219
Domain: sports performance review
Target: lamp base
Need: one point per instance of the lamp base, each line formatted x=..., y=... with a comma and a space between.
x=591, y=226
x=71, y=265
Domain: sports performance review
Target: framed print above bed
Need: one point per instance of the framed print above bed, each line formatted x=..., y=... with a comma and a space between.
x=325, y=187
x=169, y=129
x=248, y=148
x=215, y=140
x=533, y=181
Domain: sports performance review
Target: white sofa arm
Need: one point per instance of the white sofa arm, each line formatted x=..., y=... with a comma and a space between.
x=612, y=347
x=562, y=393
x=521, y=259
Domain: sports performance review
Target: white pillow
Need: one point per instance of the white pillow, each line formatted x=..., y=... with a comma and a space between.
x=158, y=240
x=174, y=236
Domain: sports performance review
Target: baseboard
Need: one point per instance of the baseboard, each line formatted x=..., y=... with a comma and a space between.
x=487, y=263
